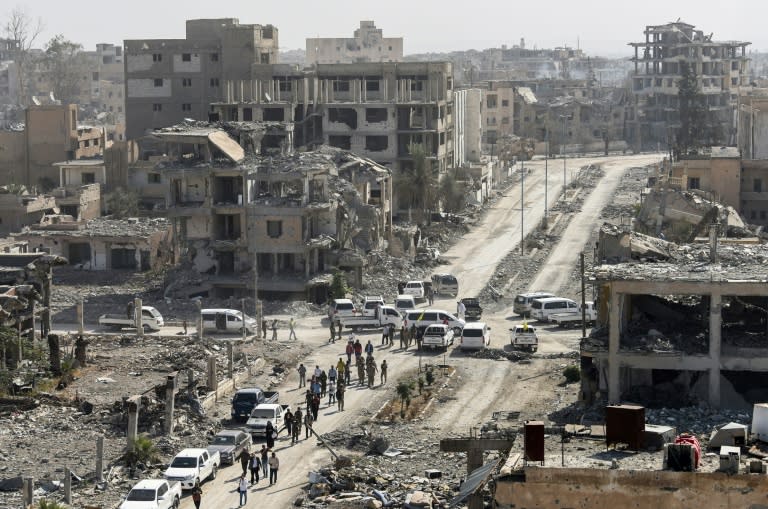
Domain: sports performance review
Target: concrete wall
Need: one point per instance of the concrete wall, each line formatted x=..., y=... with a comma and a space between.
x=545, y=488
x=290, y=241
x=754, y=205
x=13, y=156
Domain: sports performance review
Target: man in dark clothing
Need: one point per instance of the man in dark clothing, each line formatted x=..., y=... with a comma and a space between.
x=245, y=459
x=358, y=349
x=315, y=406
x=302, y=375
x=297, y=420
x=340, y=396
x=308, y=422
x=288, y=420
x=323, y=383
x=350, y=350
x=332, y=339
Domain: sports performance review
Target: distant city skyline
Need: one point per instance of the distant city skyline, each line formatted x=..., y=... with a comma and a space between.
x=599, y=27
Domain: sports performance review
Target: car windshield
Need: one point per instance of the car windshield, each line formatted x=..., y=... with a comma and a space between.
x=520, y=299
x=450, y=280
x=141, y=495
x=246, y=397
x=414, y=285
x=435, y=330
x=184, y=462
x=371, y=304
x=344, y=305
x=473, y=333
x=262, y=413
x=223, y=440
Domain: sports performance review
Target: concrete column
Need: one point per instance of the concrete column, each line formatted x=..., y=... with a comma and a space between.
x=199, y=319
x=133, y=420
x=80, y=318
x=306, y=265
x=715, y=342
x=27, y=486
x=614, y=334
x=213, y=382
x=274, y=264
x=171, y=384
x=474, y=460
x=100, y=459
x=230, y=361
x=190, y=381
x=138, y=317
x=67, y=486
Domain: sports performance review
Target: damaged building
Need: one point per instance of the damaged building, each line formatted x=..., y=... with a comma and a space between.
x=136, y=244
x=678, y=324
x=292, y=217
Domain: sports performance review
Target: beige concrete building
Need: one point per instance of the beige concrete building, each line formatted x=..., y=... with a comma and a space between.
x=721, y=67
x=168, y=80
x=753, y=124
x=368, y=44
x=18, y=211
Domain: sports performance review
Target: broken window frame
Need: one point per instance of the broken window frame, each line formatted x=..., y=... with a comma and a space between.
x=274, y=228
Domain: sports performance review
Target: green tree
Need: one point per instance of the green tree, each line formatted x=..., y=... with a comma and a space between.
x=66, y=68
x=417, y=187
x=339, y=286
x=452, y=194
x=697, y=128
x=123, y=203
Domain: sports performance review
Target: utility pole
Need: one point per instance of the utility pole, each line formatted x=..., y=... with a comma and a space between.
x=522, y=207
x=562, y=147
x=546, y=161
x=583, y=300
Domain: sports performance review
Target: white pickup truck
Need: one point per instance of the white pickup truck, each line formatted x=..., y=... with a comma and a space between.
x=566, y=320
x=261, y=414
x=387, y=315
x=437, y=336
x=524, y=336
x=191, y=466
x=153, y=494
x=151, y=320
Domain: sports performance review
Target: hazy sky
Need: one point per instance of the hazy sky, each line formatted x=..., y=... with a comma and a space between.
x=600, y=27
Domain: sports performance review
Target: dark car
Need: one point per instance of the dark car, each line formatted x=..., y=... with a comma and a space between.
x=473, y=309
x=229, y=443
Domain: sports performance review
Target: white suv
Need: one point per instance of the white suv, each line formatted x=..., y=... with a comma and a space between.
x=415, y=288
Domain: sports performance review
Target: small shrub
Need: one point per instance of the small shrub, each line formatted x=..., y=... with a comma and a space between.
x=46, y=504
x=144, y=451
x=420, y=381
x=430, y=376
x=572, y=374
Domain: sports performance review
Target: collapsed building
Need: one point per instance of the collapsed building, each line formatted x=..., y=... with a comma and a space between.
x=277, y=222
x=138, y=244
x=678, y=323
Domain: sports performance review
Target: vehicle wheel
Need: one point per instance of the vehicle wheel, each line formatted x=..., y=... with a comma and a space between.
x=176, y=503
x=214, y=472
x=146, y=329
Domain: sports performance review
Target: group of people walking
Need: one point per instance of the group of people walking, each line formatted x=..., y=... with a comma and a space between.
x=264, y=462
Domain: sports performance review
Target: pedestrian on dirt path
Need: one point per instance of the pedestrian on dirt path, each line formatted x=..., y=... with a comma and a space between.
x=350, y=349
x=460, y=309
x=383, y=371
x=360, y=371
x=391, y=334
x=371, y=370
x=332, y=326
x=331, y=393
x=264, y=453
x=413, y=334
x=242, y=488
x=358, y=349
x=403, y=344
x=308, y=422
x=271, y=434
x=340, y=368
x=431, y=295
x=315, y=386
x=385, y=335
x=340, y=396
x=264, y=328
x=302, y=376
x=347, y=372
x=297, y=421
x=274, y=329
x=244, y=458
x=338, y=329
x=323, y=383
x=197, y=494
x=333, y=374
x=315, y=406
x=369, y=348
x=255, y=468
x=292, y=327
x=288, y=419
x=274, y=465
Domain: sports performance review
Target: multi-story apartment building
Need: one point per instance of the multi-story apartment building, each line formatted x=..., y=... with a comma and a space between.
x=168, y=80
x=376, y=110
x=721, y=68
x=367, y=45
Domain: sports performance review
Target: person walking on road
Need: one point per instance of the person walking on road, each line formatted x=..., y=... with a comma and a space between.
x=197, y=494
x=360, y=371
x=264, y=328
x=347, y=372
x=340, y=369
x=244, y=458
x=358, y=349
x=323, y=383
x=315, y=406
x=431, y=296
x=308, y=422
x=332, y=326
x=460, y=309
x=270, y=433
x=340, y=396
x=292, y=327
x=274, y=465
x=242, y=488
x=288, y=420
x=302, y=376
x=332, y=374
x=371, y=370
x=383, y=371
x=298, y=419
x=350, y=350
x=331, y=393
x=264, y=453
x=255, y=468
x=369, y=348
x=274, y=329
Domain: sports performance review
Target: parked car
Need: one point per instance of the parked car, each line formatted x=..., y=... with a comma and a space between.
x=370, y=303
x=229, y=443
x=475, y=336
x=445, y=284
x=472, y=308
x=523, y=336
x=542, y=309
x=415, y=288
x=245, y=399
x=151, y=320
x=228, y=320
x=437, y=336
x=403, y=303
x=426, y=317
x=261, y=414
x=522, y=304
x=153, y=494
x=340, y=308
x=191, y=466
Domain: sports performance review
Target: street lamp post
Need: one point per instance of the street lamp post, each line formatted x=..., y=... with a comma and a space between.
x=564, y=118
x=546, y=161
x=522, y=206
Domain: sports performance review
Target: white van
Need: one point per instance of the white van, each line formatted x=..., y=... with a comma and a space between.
x=415, y=288
x=341, y=308
x=542, y=309
x=522, y=304
x=445, y=284
x=227, y=320
x=427, y=317
x=405, y=303
x=475, y=336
